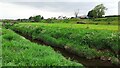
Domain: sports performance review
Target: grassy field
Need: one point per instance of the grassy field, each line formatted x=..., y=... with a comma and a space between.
x=17, y=51
x=89, y=41
x=77, y=26
x=96, y=21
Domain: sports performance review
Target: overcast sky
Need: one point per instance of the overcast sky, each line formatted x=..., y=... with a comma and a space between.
x=14, y=9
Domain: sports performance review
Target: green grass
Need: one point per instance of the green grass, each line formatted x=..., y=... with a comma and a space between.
x=99, y=21
x=0, y=24
x=17, y=51
x=78, y=26
x=92, y=42
x=0, y=45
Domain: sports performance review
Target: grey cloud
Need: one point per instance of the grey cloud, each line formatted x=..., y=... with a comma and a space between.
x=58, y=0
x=61, y=6
x=64, y=8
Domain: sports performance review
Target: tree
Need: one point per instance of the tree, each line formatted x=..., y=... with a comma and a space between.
x=42, y=17
x=92, y=14
x=37, y=18
x=31, y=18
x=98, y=11
x=76, y=13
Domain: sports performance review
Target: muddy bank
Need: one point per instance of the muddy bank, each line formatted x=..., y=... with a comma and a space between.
x=72, y=56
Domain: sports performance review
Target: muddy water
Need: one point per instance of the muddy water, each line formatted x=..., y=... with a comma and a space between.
x=86, y=62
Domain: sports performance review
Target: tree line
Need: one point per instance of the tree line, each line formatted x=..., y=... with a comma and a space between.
x=97, y=12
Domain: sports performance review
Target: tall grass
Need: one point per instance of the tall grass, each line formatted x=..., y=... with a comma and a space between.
x=90, y=42
x=17, y=51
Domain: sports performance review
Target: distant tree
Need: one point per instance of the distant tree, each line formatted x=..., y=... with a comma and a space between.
x=64, y=17
x=37, y=18
x=18, y=19
x=54, y=18
x=72, y=18
x=60, y=17
x=31, y=18
x=42, y=17
x=92, y=14
x=98, y=11
x=76, y=13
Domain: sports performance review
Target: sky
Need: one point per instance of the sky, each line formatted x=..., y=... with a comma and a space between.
x=15, y=9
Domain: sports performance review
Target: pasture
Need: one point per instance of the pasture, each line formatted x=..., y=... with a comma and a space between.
x=89, y=41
